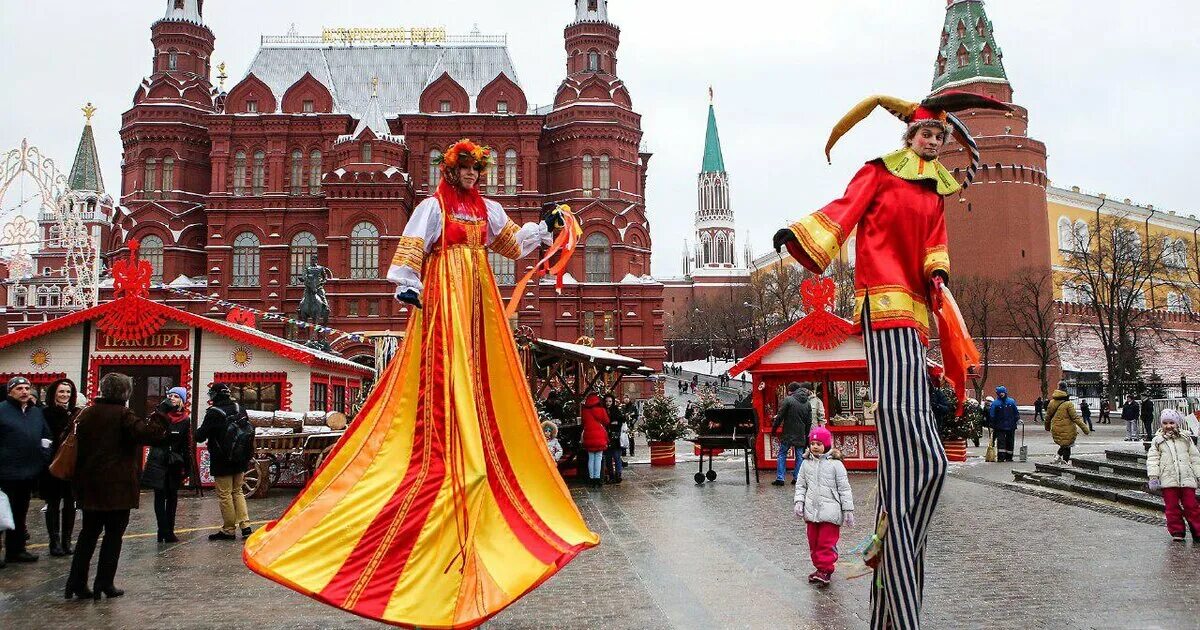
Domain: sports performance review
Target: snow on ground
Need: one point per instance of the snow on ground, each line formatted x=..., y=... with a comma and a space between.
x=702, y=366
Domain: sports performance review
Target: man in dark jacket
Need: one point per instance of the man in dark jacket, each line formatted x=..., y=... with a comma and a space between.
x=630, y=409
x=795, y=417
x=1129, y=413
x=25, y=444
x=1005, y=418
x=1147, y=415
x=227, y=474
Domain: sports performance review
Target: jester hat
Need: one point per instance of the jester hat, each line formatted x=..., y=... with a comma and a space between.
x=465, y=154
x=936, y=108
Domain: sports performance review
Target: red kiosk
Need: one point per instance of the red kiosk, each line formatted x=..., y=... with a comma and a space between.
x=822, y=349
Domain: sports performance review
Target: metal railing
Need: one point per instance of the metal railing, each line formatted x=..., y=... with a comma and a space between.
x=401, y=37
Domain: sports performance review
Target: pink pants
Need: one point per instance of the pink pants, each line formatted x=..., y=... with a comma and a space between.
x=1174, y=497
x=822, y=544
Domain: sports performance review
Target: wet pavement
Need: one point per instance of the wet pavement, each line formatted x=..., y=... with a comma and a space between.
x=677, y=555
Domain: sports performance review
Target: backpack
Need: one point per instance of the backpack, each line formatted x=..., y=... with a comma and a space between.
x=236, y=444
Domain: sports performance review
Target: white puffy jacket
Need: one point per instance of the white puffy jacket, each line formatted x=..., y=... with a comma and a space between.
x=824, y=489
x=1175, y=461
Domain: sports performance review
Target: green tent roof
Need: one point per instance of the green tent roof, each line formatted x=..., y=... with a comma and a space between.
x=714, y=162
x=965, y=19
x=85, y=173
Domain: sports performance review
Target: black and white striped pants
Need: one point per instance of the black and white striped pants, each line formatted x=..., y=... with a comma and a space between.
x=912, y=469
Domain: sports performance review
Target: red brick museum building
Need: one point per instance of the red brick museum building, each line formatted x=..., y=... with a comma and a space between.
x=325, y=147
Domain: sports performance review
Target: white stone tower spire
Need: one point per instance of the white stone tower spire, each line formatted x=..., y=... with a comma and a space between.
x=185, y=11
x=591, y=10
x=715, y=237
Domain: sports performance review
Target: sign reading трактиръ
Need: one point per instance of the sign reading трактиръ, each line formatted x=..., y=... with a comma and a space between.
x=162, y=340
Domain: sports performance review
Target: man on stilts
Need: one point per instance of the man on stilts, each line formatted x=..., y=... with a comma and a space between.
x=896, y=204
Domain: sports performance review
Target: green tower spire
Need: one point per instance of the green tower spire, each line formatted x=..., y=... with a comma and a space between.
x=85, y=172
x=714, y=162
x=968, y=50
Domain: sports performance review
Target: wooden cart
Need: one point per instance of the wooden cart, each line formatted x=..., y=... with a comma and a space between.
x=275, y=453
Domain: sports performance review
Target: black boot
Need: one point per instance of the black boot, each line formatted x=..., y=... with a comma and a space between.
x=77, y=592
x=68, y=530
x=52, y=528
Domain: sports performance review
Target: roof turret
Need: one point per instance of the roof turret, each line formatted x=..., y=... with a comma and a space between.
x=968, y=51
x=85, y=172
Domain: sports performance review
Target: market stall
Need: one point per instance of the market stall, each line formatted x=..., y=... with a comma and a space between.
x=819, y=349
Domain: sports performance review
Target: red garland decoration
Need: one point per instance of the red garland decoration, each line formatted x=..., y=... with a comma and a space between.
x=127, y=320
x=184, y=362
x=821, y=329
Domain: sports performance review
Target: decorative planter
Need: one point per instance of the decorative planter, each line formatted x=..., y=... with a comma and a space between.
x=956, y=450
x=662, y=453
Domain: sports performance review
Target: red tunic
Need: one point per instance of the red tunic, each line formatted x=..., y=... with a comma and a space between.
x=901, y=241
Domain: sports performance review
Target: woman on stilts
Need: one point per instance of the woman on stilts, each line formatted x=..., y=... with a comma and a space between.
x=896, y=204
x=441, y=505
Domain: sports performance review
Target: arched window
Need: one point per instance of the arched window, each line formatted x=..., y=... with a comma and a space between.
x=852, y=250
x=980, y=28
x=172, y=59
x=239, y=173
x=963, y=57
x=720, y=249
x=435, y=171
x=588, y=182
x=593, y=61
x=303, y=248
x=945, y=37
x=1082, y=235
x=245, y=260
x=364, y=251
x=1065, y=234
x=962, y=30
x=152, y=250
x=168, y=177
x=987, y=55
x=55, y=296
x=365, y=149
x=491, y=179
x=505, y=269
x=604, y=177
x=941, y=65
x=20, y=297
x=297, y=172
x=315, y=171
x=597, y=259
x=510, y=172
x=43, y=297
x=707, y=250
x=151, y=177
x=260, y=172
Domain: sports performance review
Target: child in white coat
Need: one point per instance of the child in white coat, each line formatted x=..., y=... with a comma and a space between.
x=1173, y=465
x=824, y=500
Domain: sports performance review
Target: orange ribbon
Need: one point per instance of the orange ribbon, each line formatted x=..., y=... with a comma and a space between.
x=566, y=242
x=959, y=354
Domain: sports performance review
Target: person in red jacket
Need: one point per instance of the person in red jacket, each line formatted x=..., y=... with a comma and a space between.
x=896, y=204
x=595, y=436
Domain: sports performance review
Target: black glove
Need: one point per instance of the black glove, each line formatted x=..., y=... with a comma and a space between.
x=165, y=406
x=782, y=237
x=409, y=296
x=938, y=273
x=552, y=217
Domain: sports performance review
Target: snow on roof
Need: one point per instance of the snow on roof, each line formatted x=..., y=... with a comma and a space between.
x=593, y=354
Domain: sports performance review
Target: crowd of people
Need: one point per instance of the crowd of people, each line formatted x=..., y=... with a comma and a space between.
x=85, y=455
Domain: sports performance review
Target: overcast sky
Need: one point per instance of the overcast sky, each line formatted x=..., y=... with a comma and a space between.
x=1111, y=86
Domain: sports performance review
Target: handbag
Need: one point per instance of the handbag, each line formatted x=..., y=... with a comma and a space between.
x=990, y=455
x=63, y=466
x=6, y=515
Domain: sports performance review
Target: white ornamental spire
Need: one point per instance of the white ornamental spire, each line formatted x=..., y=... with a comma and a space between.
x=591, y=10
x=185, y=11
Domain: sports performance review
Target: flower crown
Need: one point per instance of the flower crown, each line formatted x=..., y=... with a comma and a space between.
x=464, y=154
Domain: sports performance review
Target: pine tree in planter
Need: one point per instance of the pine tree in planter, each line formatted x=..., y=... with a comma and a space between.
x=663, y=425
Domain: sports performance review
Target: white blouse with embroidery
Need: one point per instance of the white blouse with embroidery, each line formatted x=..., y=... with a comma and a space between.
x=426, y=226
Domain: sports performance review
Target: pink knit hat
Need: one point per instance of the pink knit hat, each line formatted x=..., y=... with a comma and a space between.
x=822, y=435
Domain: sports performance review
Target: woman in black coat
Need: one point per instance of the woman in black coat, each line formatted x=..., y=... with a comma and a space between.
x=169, y=462
x=611, y=464
x=60, y=412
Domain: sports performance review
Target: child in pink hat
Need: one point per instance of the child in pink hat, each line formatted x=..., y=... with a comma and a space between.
x=824, y=500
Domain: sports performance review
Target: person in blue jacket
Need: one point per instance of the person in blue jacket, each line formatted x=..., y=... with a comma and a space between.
x=1005, y=417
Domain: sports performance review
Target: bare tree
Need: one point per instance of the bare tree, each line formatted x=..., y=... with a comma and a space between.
x=774, y=294
x=1030, y=313
x=1112, y=269
x=843, y=277
x=981, y=300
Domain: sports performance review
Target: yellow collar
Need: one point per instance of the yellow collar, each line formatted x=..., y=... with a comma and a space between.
x=905, y=164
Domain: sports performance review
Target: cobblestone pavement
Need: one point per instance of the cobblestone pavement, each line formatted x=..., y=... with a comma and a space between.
x=677, y=555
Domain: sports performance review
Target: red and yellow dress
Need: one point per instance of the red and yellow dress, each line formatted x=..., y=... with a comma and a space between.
x=441, y=505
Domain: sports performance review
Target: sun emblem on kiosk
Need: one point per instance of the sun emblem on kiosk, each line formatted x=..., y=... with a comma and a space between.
x=242, y=356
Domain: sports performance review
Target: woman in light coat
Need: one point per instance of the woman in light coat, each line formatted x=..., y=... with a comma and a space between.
x=1173, y=465
x=1063, y=423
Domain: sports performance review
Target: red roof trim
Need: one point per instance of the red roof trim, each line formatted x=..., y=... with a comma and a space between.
x=183, y=317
